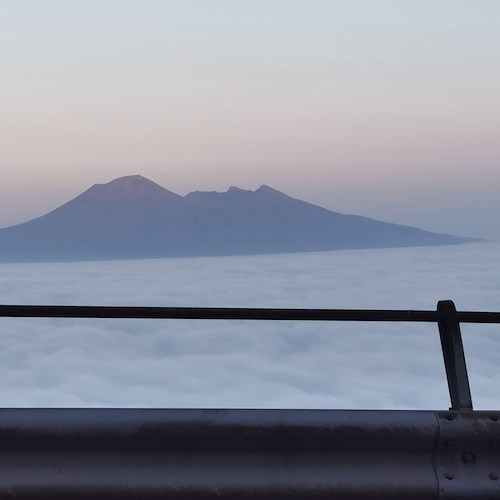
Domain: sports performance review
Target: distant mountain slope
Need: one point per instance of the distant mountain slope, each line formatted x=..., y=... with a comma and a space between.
x=133, y=217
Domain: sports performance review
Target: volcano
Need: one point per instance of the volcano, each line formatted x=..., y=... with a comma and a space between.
x=133, y=218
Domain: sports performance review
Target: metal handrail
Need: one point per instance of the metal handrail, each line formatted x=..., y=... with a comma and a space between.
x=61, y=453
x=242, y=313
x=446, y=316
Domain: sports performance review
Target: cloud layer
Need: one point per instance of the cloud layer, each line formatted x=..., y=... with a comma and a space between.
x=145, y=363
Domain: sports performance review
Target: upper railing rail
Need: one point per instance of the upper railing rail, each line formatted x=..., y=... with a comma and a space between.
x=446, y=316
x=243, y=313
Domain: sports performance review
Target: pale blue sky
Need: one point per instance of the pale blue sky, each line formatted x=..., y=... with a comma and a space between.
x=389, y=109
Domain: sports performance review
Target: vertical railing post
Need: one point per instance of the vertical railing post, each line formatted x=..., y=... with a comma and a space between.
x=454, y=357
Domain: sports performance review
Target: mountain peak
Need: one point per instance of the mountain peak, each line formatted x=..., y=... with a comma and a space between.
x=131, y=178
x=129, y=181
x=265, y=188
x=235, y=189
x=131, y=186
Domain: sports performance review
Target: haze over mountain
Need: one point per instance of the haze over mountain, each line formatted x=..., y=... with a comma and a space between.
x=133, y=217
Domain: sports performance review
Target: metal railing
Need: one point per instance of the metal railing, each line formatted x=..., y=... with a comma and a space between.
x=446, y=316
x=294, y=454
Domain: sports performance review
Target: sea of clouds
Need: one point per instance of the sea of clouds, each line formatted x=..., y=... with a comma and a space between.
x=243, y=364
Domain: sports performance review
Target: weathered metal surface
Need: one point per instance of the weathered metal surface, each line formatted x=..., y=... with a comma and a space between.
x=216, y=453
x=468, y=455
x=143, y=454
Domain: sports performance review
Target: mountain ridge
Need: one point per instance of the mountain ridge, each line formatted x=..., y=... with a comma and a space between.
x=134, y=217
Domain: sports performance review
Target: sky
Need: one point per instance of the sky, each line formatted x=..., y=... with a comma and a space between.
x=384, y=108
x=244, y=364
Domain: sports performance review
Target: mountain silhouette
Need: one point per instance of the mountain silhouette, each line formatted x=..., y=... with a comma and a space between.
x=133, y=217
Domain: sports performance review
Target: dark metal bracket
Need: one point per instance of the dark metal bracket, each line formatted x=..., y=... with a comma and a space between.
x=454, y=357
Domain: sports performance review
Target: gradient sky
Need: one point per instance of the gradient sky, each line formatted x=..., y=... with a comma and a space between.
x=384, y=108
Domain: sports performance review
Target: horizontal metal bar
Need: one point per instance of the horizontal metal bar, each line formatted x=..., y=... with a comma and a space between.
x=239, y=313
x=299, y=454
x=478, y=317
x=217, y=454
x=218, y=313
